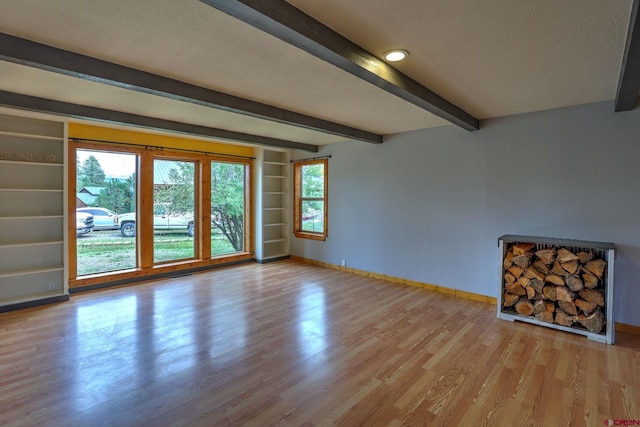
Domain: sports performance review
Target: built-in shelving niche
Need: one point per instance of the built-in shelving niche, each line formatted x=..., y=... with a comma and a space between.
x=32, y=211
x=272, y=225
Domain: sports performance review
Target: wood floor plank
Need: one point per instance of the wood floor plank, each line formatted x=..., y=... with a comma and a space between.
x=292, y=344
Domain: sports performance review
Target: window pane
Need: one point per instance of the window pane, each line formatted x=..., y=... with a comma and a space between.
x=173, y=210
x=105, y=188
x=227, y=208
x=313, y=181
x=313, y=216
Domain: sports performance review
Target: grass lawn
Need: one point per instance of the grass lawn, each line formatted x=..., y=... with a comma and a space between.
x=102, y=251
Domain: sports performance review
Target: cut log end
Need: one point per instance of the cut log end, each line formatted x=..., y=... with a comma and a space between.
x=510, y=299
x=575, y=283
x=594, y=322
x=590, y=280
x=565, y=255
x=523, y=260
x=545, y=316
x=597, y=267
x=555, y=279
x=564, y=319
x=522, y=248
x=547, y=256
x=524, y=308
x=593, y=296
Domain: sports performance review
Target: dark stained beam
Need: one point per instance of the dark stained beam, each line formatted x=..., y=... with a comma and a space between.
x=629, y=81
x=40, y=56
x=286, y=22
x=10, y=99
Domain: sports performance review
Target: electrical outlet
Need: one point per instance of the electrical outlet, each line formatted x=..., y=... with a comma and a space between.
x=51, y=286
x=344, y=262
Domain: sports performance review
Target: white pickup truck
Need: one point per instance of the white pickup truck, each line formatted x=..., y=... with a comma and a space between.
x=161, y=221
x=84, y=223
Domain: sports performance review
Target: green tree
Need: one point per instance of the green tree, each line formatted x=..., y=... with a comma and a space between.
x=227, y=201
x=117, y=196
x=132, y=185
x=227, y=197
x=176, y=197
x=313, y=187
x=90, y=174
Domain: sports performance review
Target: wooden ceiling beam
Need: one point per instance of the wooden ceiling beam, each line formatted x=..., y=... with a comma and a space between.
x=26, y=52
x=66, y=109
x=629, y=81
x=286, y=22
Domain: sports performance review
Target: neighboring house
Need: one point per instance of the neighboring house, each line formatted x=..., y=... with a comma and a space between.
x=87, y=196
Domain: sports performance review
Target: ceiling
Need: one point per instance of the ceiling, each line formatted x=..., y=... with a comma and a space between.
x=487, y=59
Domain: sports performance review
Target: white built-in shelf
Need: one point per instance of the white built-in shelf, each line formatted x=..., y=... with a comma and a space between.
x=32, y=136
x=32, y=212
x=275, y=240
x=31, y=298
x=35, y=217
x=22, y=244
x=23, y=163
x=28, y=271
x=32, y=190
x=272, y=239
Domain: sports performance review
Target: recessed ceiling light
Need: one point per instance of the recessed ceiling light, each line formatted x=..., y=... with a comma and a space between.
x=396, y=55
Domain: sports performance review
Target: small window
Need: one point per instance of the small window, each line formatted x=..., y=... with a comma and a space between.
x=310, y=199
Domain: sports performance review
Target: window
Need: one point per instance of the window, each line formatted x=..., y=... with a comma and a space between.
x=105, y=188
x=174, y=210
x=144, y=211
x=228, y=207
x=310, y=199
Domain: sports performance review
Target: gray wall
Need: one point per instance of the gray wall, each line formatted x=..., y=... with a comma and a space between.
x=430, y=205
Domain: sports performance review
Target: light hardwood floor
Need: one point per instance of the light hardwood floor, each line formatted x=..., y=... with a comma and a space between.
x=293, y=344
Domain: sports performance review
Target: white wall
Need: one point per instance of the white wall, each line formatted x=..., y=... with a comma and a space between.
x=430, y=205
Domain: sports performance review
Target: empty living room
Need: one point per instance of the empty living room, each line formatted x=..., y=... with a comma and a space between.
x=302, y=213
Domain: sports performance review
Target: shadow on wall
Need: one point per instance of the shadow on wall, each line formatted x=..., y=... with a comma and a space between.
x=627, y=282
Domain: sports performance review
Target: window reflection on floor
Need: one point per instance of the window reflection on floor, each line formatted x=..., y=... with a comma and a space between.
x=174, y=343
x=105, y=366
x=312, y=327
x=227, y=326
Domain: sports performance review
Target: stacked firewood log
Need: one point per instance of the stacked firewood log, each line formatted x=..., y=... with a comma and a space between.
x=555, y=285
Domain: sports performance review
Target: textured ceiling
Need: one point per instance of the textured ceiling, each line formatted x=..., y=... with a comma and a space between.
x=491, y=58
